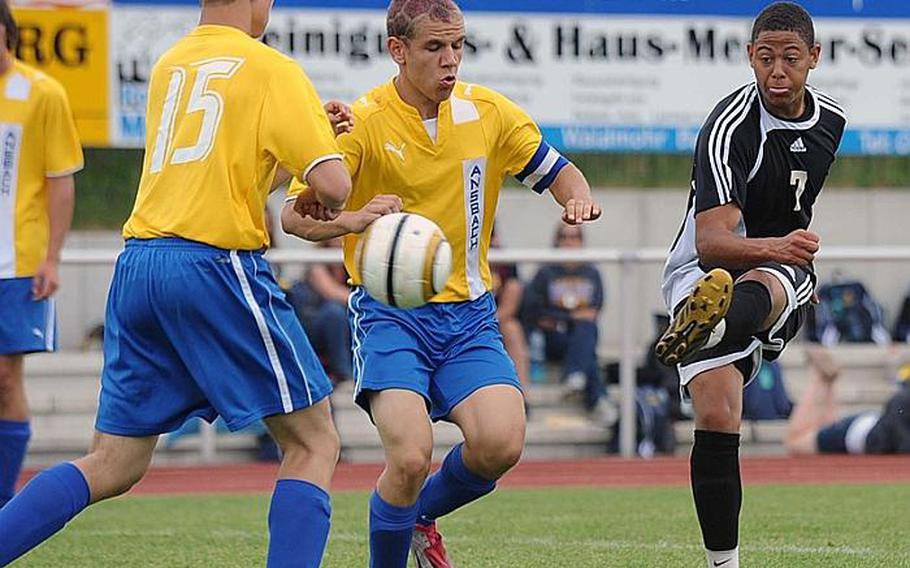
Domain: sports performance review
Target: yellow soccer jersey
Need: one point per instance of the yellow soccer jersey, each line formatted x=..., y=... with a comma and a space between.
x=224, y=111
x=481, y=137
x=39, y=140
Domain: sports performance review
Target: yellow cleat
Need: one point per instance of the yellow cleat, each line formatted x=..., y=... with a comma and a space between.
x=705, y=307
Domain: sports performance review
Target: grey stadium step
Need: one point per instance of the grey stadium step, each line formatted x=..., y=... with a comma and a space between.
x=63, y=390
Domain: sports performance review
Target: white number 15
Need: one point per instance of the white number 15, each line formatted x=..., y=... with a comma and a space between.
x=202, y=99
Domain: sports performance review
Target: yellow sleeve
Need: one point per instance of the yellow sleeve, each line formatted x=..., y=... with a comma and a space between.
x=294, y=126
x=351, y=150
x=519, y=137
x=526, y=155
x=62, y=150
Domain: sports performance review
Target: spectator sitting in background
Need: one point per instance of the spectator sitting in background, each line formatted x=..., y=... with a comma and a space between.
x=814, y=427
x=321, y=300
x=564, y=301
x=508, y=291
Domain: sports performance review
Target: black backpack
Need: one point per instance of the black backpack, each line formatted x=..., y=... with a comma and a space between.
x=847, y=313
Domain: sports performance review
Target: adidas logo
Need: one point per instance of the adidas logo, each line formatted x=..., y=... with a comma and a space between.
x=798, y=145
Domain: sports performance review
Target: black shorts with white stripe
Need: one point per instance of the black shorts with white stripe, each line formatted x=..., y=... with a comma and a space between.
x=799, y=285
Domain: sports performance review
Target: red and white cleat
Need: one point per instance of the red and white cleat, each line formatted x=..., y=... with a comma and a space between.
x=426, y=544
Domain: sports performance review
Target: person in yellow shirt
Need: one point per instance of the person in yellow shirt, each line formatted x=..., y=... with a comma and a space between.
x=196, y=324
x=39, y=153
x=429, y=144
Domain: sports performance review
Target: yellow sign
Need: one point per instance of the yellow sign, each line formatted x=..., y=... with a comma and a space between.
x=71, y=45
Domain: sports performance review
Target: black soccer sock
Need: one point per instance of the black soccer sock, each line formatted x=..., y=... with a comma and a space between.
x=749, y=309
x=717, y=488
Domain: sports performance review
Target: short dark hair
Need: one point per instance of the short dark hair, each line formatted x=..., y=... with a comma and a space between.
x=401, y=21
x=12, y=31
x=785, y=17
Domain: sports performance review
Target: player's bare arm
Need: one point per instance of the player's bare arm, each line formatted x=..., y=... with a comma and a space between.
x=347, y=222
x=571, y=190
x=331, y=183
x=61, y=200
x=719, y=245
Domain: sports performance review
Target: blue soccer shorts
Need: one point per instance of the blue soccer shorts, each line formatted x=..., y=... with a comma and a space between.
x=193, y=330
x=26, y=325
x=442, y=351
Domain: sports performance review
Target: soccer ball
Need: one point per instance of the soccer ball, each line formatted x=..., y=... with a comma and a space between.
x=403, y=259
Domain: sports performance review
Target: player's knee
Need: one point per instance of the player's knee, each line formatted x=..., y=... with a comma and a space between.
x=411, y=468
x=775, y=288
x=322, y=444
x=112, y=474
x=719, y=418
x=493, y=457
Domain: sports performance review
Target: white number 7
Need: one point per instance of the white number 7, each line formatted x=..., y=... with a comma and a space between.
x=201, y=99
x=799, y=178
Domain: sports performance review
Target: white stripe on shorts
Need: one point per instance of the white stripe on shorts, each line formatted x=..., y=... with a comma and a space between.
x=284, y=333
x=264, y=332
x=692, y=370
x=356, y=354
x=50, y=324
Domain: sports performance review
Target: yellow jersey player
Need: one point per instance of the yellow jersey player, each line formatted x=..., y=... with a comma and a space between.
x=443, y=147
x=39, y=153
x=196, y=324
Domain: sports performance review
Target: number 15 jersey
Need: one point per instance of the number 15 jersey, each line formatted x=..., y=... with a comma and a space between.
x=224, y=110
x=771, y=168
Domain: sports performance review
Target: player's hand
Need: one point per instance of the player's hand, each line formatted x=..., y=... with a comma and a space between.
x=376, y=208
x=46, y=280
x=340, y=116
x=799, y=248
x=578, y=211
x=308, y=205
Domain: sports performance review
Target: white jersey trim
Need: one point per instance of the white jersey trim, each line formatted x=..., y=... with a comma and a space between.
x=10, y=148
x=318, y=161
x=720, y=138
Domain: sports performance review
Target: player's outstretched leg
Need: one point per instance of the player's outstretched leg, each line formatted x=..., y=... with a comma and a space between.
x=492, y=421
x=56, y=495
x=702, y=311
x=300, y=511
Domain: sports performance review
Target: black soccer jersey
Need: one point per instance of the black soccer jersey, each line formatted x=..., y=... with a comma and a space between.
x=772, y=168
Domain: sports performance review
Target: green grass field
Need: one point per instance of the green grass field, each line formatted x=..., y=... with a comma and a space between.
x=791, y=527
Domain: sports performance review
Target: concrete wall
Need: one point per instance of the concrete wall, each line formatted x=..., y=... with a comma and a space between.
x=633, y=218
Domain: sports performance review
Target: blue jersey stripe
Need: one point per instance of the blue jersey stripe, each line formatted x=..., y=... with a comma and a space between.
x=547, y=180
x=536, y=159
x=744, y=8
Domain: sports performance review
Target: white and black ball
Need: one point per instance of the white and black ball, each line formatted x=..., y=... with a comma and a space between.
x=403, y=259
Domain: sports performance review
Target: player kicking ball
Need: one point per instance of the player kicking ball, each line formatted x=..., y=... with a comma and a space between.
x=739, y=278
x=196, y=325
x=443, y=148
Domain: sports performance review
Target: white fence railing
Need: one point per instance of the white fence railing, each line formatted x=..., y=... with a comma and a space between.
x=627, y=260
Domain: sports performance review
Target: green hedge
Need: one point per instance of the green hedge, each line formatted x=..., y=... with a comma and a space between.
x=107, y=186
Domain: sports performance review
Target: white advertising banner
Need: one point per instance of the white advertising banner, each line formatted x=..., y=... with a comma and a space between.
x=594, y=81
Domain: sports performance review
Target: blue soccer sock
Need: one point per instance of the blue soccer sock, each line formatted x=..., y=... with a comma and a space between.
x=42, y=508
x=14, y=437
x=453, y=486
x=391, y=528
x=299, y=519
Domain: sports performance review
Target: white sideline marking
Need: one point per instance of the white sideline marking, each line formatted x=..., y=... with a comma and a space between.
x=527, y=541
x=631, y=545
